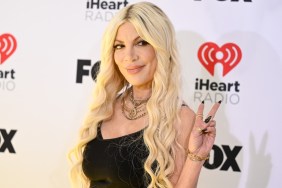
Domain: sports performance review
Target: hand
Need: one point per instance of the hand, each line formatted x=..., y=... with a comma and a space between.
x=203, y=133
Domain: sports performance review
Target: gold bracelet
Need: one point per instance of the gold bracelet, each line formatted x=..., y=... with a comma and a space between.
x=195, y=157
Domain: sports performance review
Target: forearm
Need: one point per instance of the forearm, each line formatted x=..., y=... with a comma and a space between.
x=190, y=174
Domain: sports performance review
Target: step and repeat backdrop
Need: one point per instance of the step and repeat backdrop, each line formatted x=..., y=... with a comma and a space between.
x=230, y=50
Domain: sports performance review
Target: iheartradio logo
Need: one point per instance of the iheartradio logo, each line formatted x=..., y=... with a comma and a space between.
x=8, y=45
x=229, y=55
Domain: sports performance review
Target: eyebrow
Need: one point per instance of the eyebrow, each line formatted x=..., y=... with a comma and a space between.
x=138, y=37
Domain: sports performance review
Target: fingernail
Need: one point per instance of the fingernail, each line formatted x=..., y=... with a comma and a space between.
x=203, y=102
x=219, y=101
x=208, y=119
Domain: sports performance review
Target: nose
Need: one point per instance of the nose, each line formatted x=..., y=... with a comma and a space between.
x=130, y=54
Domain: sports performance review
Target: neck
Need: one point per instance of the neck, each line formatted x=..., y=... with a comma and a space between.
x=141, y=93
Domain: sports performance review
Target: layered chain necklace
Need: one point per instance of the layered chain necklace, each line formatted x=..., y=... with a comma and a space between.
x=137, y=111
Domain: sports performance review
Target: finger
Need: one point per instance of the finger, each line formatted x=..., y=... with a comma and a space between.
x=212, y=112
x=211, y=131
x=212, y=123
x=200, y=111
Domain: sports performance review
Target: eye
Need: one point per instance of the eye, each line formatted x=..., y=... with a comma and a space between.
x=118, y=46
x=142, y=43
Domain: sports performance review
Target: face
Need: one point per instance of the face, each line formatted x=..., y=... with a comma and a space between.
x=135, y=58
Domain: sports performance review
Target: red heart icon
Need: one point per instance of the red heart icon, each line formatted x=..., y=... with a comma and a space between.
x=8, y=45
x=229, y=55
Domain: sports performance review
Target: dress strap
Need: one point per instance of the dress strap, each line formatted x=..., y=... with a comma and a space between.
x=99, y=134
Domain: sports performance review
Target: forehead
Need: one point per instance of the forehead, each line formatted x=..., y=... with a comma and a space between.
x=126, y=31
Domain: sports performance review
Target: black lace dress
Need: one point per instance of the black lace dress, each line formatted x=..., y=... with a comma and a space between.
x=117, y=162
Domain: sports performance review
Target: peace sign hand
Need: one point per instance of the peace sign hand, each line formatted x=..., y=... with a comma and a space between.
x=203, y=133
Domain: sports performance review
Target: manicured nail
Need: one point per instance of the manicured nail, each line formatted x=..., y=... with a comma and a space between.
x=208, y=119
x=219, y=101
x=203, y=102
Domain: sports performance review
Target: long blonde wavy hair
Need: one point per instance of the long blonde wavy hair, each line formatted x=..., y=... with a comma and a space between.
x=163, y=106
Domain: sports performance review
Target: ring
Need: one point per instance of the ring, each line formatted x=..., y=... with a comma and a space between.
x=202, y=131
x=199, y=129
x=199, y=115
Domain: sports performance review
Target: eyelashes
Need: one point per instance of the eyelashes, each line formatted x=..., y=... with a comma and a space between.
x=118, y=46
x=139, y=43
x=142, y=43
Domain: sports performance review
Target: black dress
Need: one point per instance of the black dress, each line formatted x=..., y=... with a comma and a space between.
x=117, y=162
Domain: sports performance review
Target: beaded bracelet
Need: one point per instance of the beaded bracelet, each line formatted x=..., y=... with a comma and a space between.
x=195, y=157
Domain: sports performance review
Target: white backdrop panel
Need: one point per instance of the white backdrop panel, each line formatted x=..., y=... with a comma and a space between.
x=41, y=102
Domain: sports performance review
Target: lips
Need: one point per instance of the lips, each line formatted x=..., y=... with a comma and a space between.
x=134, y=69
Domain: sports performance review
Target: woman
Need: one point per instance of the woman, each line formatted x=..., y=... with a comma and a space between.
x=139, y=132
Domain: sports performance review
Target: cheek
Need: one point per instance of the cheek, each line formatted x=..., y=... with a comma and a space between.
x=153, y=59
x=151, y=55
x=117, y=61
x=116, y=58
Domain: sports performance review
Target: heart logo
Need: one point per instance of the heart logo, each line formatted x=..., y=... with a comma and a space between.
x=8, y=45
x=229, y=55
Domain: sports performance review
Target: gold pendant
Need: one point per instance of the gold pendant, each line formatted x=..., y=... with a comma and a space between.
x=133, y=113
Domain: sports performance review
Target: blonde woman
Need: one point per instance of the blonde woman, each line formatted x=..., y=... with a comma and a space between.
x=139, y=132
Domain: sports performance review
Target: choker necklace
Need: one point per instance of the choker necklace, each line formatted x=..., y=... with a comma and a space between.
x=138, y=110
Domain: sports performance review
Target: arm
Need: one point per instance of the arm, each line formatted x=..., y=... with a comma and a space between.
x=198, y=137
x=190, y=174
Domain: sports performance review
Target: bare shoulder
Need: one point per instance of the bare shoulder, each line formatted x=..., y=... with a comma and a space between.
x=186, y=114
x=184, y=127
